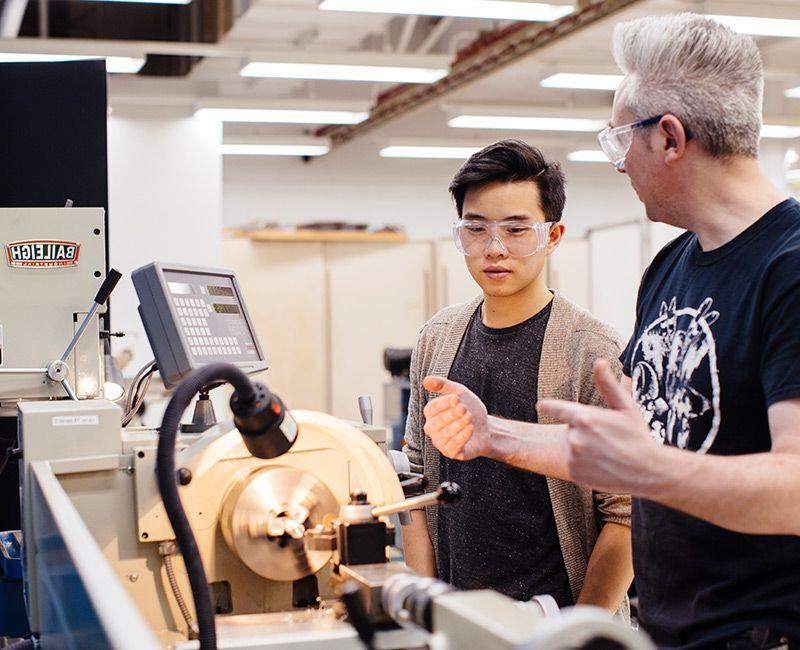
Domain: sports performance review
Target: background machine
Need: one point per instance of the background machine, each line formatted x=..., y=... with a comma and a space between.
x=270, y=531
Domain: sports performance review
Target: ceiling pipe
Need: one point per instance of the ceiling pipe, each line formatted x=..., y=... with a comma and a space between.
x=483, y=57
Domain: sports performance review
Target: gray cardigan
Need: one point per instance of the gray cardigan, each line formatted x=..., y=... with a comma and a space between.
x=573, y=340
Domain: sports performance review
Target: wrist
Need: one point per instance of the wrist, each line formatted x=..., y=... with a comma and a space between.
x=658, y=473
x=497, y=433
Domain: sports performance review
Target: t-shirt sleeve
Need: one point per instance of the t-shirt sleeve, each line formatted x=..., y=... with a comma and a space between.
x=626, y=358
x=780, y=327
x=627, y=355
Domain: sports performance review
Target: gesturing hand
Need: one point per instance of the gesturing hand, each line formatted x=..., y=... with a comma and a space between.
x=608, y=449
x=456, y=421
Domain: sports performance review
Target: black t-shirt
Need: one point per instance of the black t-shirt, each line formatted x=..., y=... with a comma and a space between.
x=502, y=534
x=717, y=341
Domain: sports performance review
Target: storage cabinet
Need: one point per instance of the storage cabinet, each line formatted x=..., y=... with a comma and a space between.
x=324, y=312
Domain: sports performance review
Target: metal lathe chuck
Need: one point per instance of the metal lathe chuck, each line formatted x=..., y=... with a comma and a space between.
x=265, y=516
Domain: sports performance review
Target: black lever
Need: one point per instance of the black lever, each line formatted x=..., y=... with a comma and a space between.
x=108, y=286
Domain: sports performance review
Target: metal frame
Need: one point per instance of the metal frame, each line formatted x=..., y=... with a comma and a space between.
x=96, y=609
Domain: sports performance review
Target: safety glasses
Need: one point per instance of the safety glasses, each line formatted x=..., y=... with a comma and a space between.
x=519, y=239
x=616, y=141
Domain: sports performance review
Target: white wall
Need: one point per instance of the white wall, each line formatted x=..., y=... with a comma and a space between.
x=165, y=204
x=355, y=184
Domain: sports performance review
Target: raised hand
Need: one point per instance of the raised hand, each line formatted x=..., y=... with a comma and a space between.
x=608, y=449
x=456, y=421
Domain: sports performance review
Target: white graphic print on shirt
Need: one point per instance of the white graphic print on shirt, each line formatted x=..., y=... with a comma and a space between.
x=675, y=376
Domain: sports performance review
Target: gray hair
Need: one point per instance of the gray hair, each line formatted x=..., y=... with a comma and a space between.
x=695, y=68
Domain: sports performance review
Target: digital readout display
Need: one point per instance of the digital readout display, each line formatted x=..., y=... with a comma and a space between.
x=220, y=291
x=226, y=308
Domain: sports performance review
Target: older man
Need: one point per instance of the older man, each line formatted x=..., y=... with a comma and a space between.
x=709, y=444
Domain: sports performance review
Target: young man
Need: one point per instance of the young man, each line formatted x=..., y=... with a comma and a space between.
x=513, y=531
x=710, y=441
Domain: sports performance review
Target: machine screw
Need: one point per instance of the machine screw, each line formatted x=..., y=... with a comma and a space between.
x=133, y=577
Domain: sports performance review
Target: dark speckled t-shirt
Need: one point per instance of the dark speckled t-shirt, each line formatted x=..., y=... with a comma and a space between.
x=502, y=534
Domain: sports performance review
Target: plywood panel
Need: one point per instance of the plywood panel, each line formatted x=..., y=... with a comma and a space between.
x=379, y=296
x=284, y=286
x=454, y=284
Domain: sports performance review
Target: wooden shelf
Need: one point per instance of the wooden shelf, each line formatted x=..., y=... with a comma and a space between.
x=340, y=236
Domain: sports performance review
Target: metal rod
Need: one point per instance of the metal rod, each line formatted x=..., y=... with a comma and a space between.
x=23, y=371
x=44, y=18
x=80, y=331
x=430, y=499
x=69, y=390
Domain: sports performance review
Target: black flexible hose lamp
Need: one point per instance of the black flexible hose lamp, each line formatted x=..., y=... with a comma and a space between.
x=267, y=429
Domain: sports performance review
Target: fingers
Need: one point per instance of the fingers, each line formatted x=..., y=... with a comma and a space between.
x=611, y=389
x=570, y=413
x=442, y=385
x=441, y=405
x=453, y=447
x=442, y=418
x=450, y=431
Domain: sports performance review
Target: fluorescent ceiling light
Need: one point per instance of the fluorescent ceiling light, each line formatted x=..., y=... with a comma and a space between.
x=281, y=116
x=148, y=2
x=274, y=149
x=782, y=131
x=755, y=26
x=583, y=81
x=114, y=64
x=408, y=151
x=792, y=93
x=495, y=9
x=587, y=155
x=393, y=74
x=526, y=123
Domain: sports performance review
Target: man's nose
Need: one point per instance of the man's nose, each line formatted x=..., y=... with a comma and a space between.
x=496, y=248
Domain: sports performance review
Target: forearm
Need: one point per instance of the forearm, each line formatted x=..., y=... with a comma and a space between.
x=755, y=493
x=537, y=448
x=610, y=569
x=417, y=546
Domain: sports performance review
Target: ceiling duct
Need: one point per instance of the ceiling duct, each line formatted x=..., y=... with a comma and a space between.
x=202, y=21
x=485, y=55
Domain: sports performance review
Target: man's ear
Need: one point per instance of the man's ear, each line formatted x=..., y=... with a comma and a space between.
x=557, y=231
x=674, y=134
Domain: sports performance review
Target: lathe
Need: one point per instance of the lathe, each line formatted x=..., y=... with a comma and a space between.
x=275, y=530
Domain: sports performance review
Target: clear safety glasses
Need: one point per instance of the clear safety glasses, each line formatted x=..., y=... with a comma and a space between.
x=616, y=141
x=518, y=239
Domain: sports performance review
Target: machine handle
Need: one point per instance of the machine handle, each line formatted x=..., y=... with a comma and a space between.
x=445, y=494
x=102, y=295
x=108, y=286
x=413, y=484
x=365, y=408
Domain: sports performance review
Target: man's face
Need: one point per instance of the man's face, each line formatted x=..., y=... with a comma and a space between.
x=495, y=271
x=643, y=166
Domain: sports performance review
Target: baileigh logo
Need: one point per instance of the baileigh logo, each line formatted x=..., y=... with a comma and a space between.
x=42, y=253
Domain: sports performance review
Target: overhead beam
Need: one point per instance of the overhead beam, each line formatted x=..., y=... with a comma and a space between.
x=435, y=34
x=409, y=26
x=510, y=45
x=250, y=51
